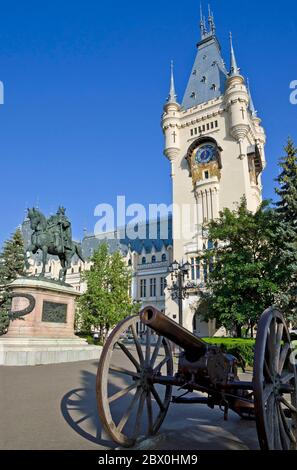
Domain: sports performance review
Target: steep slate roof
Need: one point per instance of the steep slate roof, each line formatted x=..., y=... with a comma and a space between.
x=156, y=242
x=90, y=244
x=208, y=70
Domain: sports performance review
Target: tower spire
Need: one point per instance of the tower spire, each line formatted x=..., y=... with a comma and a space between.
x=203, y=28
x=207, y=31
x=211, y=21
x=201, y=22
x=172, y=95
x=234, y=71
x=251, y=106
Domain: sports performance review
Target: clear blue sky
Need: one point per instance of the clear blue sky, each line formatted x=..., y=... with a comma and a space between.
x=85, y=82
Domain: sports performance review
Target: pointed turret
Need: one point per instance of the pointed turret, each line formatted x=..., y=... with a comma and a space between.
x=234, y=70
x=171, y=122
x=237, y=100
x=251, y=105
x=172, y=95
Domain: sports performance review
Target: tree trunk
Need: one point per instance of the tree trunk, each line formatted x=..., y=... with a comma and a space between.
x=238, y=331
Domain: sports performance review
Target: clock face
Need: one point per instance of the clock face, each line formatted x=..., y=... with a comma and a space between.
x=205, y=153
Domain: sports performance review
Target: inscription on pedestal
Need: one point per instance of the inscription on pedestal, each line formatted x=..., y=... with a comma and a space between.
x=53, y=312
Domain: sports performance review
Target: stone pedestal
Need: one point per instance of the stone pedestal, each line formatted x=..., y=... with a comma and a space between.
x=53, y=314
x=46, y=334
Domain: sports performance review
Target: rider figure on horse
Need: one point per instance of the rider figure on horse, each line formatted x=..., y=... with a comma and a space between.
x=53, y=236
x=64, y=228
x=60, y=227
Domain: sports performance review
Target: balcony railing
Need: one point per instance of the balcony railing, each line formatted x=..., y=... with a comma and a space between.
x=161, y=264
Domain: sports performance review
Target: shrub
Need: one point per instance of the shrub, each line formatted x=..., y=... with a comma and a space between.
x=89, y=337
x=237, y=347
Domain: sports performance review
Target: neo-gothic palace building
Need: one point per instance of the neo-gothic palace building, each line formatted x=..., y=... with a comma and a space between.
x=215, y=145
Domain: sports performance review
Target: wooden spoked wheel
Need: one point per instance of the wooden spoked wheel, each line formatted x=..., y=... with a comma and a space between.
x=130, y=404
x=275, y=389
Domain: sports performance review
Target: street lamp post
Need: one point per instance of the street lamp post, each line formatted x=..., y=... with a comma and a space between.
x=180, y=290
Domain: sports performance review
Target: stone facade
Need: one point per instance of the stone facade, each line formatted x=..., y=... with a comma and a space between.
x=215, y=144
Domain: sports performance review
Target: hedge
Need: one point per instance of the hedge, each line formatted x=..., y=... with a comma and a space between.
x=243, y=348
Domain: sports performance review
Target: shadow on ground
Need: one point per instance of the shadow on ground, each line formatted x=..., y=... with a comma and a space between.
x=79, y=409
x=199, y=428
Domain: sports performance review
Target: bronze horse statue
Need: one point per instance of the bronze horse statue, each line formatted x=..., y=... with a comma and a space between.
x=53, y=237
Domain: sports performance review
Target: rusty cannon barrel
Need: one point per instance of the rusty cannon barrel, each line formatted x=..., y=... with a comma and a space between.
x=194, y=347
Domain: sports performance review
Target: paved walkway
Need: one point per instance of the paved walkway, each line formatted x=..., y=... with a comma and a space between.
x=54, y=407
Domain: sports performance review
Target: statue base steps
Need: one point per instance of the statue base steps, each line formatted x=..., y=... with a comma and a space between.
x=38, y=351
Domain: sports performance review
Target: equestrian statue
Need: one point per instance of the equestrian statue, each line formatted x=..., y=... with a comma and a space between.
x=53, y=236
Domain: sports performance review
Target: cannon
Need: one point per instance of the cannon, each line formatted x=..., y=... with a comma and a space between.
x=138, y=374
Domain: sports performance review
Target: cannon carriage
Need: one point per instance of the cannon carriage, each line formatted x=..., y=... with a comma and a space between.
x=137, y=374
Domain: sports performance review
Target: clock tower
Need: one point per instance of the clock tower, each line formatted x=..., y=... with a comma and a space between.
x=215, y=144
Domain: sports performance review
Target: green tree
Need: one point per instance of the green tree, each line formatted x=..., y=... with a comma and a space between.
x=12, y=265
x=240, y=284
x=107, y=299
x=286, y=233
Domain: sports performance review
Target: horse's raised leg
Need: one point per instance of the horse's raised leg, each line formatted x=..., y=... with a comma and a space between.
x=30, y=249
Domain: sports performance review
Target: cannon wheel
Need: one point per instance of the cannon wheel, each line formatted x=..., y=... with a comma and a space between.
x=274, y=380
x=124, y=422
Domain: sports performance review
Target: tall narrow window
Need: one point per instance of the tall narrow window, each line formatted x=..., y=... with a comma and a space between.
x=153, y=287
x=195, y=268
x=143, y=288
x=163, y=285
